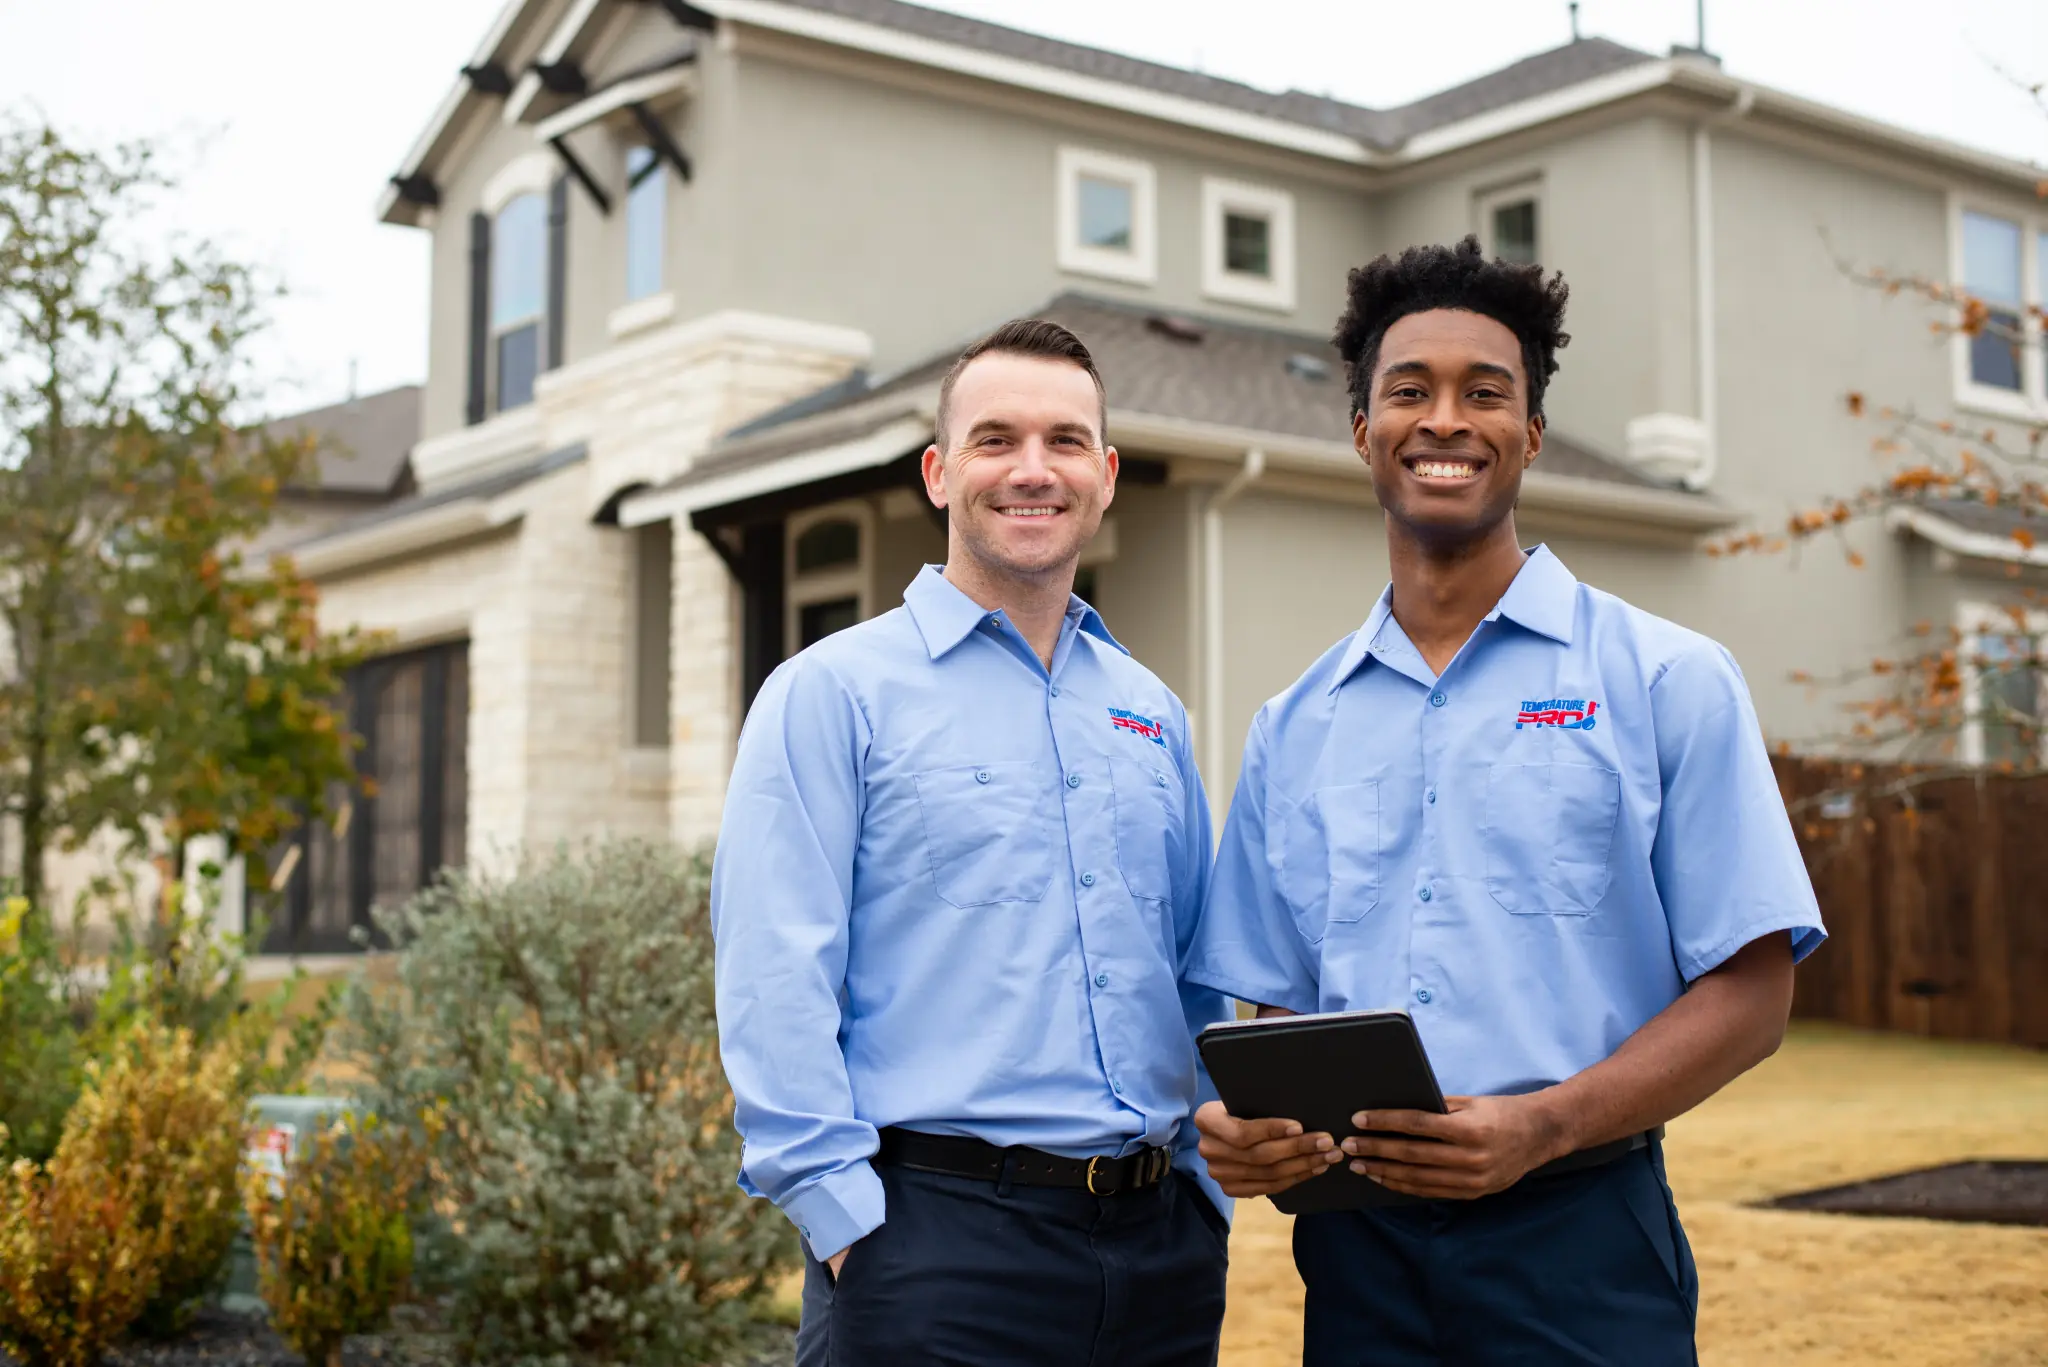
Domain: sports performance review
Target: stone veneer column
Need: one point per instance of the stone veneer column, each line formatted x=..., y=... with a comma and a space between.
x=703, y=688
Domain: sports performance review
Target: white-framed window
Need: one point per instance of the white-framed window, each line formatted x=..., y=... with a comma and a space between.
x=646, y=221
x=826, y=553
x=2005, y=686
x=2001, y=257
x=1247, y=243
x=1509, y=221
x=1108, y=216
x=519, y=298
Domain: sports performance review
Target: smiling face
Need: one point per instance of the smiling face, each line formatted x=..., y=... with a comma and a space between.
x=1448, y=433
x=1021, y=468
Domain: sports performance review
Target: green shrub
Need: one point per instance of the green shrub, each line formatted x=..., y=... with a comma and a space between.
x=563, y=1020
x=173, y=1121
x=334, y=1247
x=43, y=1023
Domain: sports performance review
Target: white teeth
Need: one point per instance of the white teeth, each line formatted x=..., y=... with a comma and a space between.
x=1029, y=512
x=1436, y=469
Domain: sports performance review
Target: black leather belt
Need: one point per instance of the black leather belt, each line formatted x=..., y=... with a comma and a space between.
x=1599, y=1154
x=961, y=1157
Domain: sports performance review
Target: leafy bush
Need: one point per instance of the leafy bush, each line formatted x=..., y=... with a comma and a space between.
x=172, y=1121
x=43, y=1020
x=334, y=1246
x=563, y=1020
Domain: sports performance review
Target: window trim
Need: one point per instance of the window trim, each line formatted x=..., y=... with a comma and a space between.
x=802, y=590
x=533, y=173
x=2030, y=403
x=1220, y=196
x=1138, y=266
x=1485, y=201
x=494, y=331
x=1975, y=618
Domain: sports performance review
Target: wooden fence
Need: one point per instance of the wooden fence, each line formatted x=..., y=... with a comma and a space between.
x=1935, y=898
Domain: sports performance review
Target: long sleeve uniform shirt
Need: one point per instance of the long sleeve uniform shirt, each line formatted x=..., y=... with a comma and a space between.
x=1533, y=852
x=953, y=892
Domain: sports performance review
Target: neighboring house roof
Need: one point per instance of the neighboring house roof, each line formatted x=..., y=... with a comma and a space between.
x=361, y=443
x=468, y=508
x=1176, y=368
x=2014, y=533
x=1550, y=85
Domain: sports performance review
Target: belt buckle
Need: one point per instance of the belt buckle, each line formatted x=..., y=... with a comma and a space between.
x=1091, y=1178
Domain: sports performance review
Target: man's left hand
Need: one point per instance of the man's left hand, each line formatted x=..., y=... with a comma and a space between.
x=1483, y=1145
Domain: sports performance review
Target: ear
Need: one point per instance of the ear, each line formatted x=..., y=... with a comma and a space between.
x=1535, y=442
x=1358, y=437
x=933, y=466
x=1109, y=469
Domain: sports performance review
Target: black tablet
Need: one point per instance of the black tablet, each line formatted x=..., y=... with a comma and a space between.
x=1321, y=1070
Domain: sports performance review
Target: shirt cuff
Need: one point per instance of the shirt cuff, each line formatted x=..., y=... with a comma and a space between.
x=1301, y=1002
x=838, y=1210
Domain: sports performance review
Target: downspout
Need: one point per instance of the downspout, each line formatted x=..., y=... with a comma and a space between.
x=1212, y=610
x=1709, y=379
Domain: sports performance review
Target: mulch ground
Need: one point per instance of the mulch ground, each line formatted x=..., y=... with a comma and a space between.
x=220, y=1339
x=1984, y=1192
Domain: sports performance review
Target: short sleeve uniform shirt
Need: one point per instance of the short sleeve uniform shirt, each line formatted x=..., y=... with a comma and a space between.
x=1533, y=853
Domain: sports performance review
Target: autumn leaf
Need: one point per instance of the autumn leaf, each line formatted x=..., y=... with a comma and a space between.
x=1855, y=402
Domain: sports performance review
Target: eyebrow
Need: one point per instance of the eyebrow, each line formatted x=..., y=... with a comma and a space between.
x=1422, y=368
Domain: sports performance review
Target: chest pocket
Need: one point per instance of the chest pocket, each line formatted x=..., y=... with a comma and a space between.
x=1149, y=817
x=988, y=831
x=1549, y=836
x=1326, y=860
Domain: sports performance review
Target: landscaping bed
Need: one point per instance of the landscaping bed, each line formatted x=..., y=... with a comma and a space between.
x=2011, y=1192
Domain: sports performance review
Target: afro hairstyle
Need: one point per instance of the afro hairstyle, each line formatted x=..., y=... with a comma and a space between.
x=1388, y=289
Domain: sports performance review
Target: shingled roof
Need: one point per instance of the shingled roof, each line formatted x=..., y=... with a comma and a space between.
x=1186, y=369
x=361, y=443
x=1385, y=129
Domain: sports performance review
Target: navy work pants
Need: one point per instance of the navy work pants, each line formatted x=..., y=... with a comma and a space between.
x=1588, y=1267
x=966, y=1272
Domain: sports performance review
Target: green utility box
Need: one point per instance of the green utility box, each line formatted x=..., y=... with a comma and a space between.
x=282, y=1126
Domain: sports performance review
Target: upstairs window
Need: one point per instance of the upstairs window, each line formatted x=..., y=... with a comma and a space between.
x=1992, y=271
x=646, y=212
x=1509, y=224
x=1107, y=216
x=1247, y=244
x=2001, y=259
x=519, y=291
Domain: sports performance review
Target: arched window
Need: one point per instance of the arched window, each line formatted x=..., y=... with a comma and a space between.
x=519, y=280
x=828, y=589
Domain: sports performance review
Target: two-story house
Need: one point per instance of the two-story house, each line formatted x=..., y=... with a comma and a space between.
x=698, y=265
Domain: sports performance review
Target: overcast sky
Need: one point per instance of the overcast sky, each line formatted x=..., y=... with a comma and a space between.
x=292, y=114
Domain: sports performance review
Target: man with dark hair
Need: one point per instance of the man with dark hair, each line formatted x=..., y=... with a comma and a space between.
x=1541, y=821
x=963, y=854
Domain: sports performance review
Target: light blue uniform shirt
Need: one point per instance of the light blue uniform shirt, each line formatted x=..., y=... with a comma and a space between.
x=953, y=892
x=1533, y=853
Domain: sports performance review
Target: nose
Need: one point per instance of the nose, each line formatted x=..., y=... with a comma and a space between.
x=1446, y=417
x=1032, y=467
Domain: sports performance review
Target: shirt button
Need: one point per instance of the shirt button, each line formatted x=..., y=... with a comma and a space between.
x=1087, y=880
x=1102, y=980
x=1422, y=995
x=1437, y=700
x=1055, y=690
x=1161, y=777
x=981, y=775
x=1430, y=797
x=1073, y=780
x=1425, y=894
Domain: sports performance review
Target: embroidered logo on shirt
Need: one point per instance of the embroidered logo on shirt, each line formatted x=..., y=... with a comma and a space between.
x=1567, y=714
x=1144, y=726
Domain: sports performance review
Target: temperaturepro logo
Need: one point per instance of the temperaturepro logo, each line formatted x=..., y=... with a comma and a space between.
x=1143, y=726
x=1566, y=714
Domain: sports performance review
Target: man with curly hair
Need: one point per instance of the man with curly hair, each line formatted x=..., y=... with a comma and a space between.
x=1541, y=821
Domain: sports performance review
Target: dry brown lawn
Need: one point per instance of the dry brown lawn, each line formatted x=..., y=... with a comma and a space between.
x=1784, y=1289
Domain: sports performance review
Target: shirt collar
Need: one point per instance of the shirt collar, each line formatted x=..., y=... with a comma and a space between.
x=1543, y=598
x=945, y=616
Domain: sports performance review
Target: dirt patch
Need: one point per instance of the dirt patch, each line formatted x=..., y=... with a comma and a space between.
x=2009, y=1192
